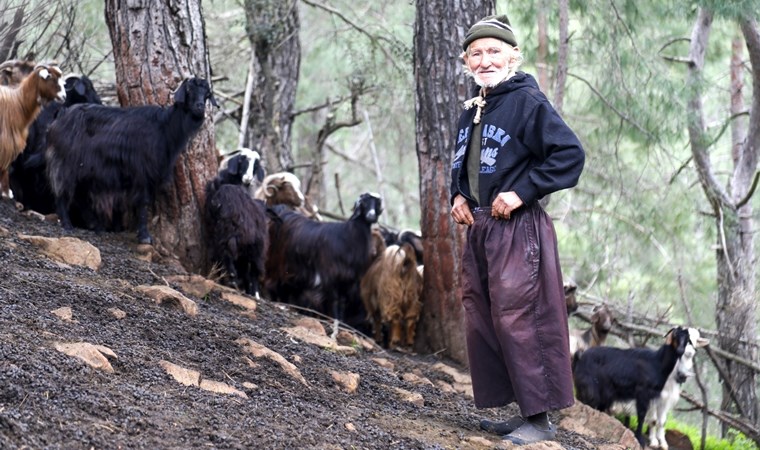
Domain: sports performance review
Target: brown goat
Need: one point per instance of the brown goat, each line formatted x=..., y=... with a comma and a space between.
x=601, y=324
x=391, y=291
x=19, y=106
x=570, y=301
x=284, y=188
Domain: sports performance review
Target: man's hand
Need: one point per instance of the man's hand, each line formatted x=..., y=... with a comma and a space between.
x=460, y=212
x=504, y=204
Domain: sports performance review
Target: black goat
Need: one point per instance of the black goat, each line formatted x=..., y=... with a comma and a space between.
x=122, y=155
x=236, y=227
x=605, y=375
x=28, y=178
x=245, y=165
x=320, y=264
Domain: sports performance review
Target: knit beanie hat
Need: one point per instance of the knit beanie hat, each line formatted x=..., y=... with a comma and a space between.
x=492, y=26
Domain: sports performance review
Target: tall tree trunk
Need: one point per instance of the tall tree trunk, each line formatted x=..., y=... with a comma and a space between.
x=272, y=27
x=736, y=309
x=542, y=52
x=157, y=44
x=562, y=52
x=440, y=27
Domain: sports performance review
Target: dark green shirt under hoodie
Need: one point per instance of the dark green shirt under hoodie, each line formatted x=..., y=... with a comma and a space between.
x=526, y=146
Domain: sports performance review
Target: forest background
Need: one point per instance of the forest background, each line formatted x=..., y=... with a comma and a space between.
x=639, y=232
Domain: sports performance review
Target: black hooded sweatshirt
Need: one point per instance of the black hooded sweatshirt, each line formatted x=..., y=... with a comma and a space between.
x=526, y=147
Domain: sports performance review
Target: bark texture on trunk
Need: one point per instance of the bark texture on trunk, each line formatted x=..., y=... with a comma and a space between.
x=440, y=28
x=272, y=27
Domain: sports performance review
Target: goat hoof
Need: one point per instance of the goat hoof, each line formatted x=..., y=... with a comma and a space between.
x=145, y=240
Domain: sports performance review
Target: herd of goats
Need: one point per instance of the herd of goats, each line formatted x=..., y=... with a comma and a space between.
x=100, y=167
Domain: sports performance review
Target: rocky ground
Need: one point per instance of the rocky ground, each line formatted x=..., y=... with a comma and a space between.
x=93, y=358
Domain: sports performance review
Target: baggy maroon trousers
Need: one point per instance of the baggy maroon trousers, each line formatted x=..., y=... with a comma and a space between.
x=515, y=313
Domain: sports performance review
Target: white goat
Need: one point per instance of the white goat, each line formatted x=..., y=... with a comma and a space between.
x=671, y=392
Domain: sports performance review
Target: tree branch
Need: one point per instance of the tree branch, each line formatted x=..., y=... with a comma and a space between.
x=612, y=107
x=750, y=193
x=696, y=123
x=734, y=422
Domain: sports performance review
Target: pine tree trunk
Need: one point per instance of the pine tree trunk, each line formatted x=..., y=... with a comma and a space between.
x=157, y=44
x=272, y=27
x=440, y=28
x=736, y=305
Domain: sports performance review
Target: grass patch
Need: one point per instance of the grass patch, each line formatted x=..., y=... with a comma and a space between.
x=735, y=440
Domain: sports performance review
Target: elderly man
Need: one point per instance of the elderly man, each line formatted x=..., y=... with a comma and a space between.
x=512, y=149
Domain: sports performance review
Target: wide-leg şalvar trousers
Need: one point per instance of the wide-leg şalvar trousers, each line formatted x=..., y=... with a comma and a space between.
x=515, y=313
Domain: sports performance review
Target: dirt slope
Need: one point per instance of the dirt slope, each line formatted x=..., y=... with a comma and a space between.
x=49, y=399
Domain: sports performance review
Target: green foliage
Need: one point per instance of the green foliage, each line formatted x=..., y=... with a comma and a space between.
x=334, y=54
x=734, y=9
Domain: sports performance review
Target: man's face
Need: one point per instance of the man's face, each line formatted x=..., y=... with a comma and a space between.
x=489, y=61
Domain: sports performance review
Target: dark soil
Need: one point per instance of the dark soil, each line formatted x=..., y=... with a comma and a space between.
x=53, y=401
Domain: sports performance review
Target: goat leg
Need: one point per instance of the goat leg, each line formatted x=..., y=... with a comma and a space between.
x=642, y=405
x=62, y=208
x=143, y=236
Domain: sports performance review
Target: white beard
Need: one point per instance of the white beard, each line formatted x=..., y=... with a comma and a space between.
x=502, y=75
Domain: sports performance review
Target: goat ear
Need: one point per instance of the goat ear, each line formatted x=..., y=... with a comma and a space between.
x=212, y=99
x=79, y=87
x=181, y=93
x=701, y=342
x=259, y=171
x=669, y=337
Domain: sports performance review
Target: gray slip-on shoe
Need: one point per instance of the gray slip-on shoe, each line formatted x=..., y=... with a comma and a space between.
x=502, y=428
x=528, y=433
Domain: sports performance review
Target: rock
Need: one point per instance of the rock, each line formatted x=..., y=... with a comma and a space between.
x=585, y=420
x=221, y=388
x=117, y=313
x=308, y=336
x=445, y=387
x=146, y=252
x=67, y=250
x=188, y=377
x=33, y=214
x=458, y=376
x=259, y=351
x=478, y=441
x=93, y=355
x=350, y=427
x=348, y=380
x=416, y=379
x=64, y=313
x=194, y=285
x=240, y=300
x=383, y=362
x=311, y=324
x=677, y=440
x=411, y=397
x=165, y=294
